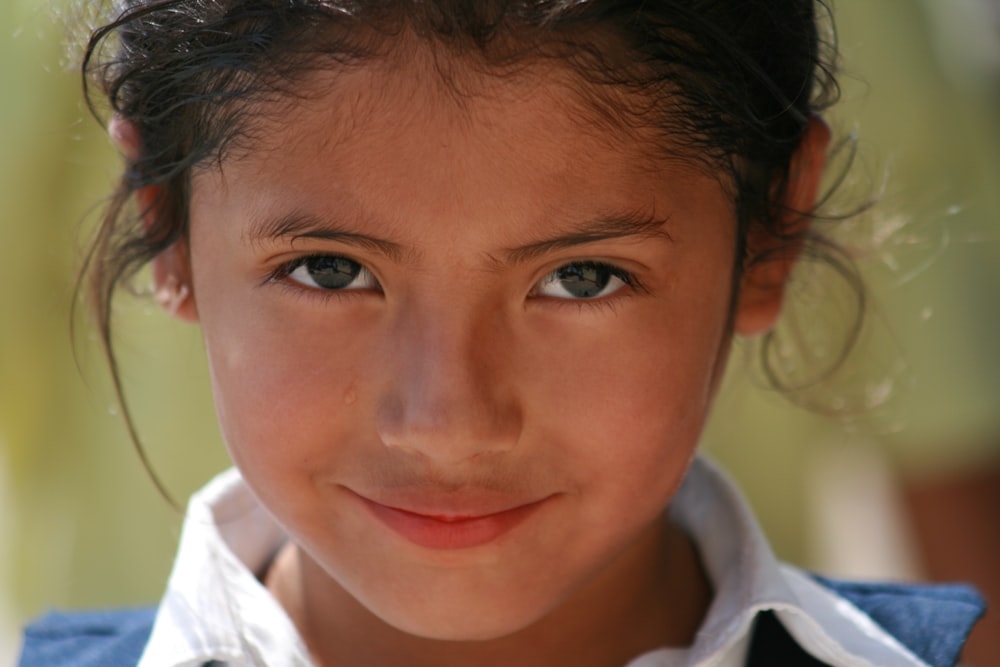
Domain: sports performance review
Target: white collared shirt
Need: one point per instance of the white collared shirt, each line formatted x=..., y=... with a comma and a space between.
x=215, y=608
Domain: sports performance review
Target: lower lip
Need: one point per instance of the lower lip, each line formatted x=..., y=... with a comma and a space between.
x=450, y=533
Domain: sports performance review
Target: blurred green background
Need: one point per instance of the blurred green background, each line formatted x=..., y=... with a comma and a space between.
x=82, y=526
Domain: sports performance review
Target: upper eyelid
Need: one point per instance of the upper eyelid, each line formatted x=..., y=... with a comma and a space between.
x=285, y=268
x=615, y=266
x=632, y=282
x=296, y=261
x=629, y=277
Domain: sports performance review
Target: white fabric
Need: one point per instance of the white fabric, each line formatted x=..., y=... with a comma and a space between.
x=216, y=609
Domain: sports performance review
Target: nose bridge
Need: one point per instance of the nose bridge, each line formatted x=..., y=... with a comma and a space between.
x=446, y=398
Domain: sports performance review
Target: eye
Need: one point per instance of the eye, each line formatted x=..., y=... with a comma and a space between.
x=329, y=272
x=583, y=280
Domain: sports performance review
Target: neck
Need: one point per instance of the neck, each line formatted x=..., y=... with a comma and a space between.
x=654, y=595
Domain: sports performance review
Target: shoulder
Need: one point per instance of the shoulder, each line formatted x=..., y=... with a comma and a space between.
x=100, y=638
x=931, y=620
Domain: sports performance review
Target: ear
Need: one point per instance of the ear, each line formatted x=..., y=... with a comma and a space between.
x=172, y=267
x=762, y=286
x=172, y=284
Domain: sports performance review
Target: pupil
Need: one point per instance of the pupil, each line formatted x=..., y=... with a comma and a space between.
x=332, y=272
x=584, y=280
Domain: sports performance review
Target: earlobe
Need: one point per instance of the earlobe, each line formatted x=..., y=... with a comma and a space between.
x=172, y=267
x=172, y=285
x=762, y=286
x=175, y=298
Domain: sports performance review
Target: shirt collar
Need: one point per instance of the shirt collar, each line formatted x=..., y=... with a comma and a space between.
x=748, y=579
x=215, y=608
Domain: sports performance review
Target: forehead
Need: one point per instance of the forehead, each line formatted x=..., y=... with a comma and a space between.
x=420, y=92
x=420, y=133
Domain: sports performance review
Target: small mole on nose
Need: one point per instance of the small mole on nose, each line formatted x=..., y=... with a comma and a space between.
x=350, y=396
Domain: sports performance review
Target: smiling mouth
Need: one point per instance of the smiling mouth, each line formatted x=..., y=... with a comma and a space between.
x=450, y=531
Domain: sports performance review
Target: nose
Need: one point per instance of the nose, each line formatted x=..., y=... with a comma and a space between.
x=447, y=398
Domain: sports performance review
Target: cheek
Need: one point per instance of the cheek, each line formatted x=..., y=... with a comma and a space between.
x=628, y=406
x=282, y=387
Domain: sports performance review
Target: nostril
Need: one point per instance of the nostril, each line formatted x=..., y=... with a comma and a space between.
x=388, y=421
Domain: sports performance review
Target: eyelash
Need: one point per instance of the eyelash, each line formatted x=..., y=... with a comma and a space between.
x=630, y=285
x=282, y=276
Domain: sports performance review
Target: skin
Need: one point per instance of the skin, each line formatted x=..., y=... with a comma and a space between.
x=462, y=377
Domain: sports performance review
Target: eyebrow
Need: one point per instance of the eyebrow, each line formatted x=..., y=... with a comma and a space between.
x=295, y=226
x=600, y=229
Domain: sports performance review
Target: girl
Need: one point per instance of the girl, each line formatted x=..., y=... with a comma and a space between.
x=467, y=274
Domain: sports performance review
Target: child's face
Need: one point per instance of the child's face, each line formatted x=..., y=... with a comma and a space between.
x=457, y=366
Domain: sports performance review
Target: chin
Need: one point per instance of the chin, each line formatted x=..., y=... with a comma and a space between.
x=473, y=622
x=464, y=631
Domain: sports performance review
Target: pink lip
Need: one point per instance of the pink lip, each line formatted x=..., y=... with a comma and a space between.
x=450, y=531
